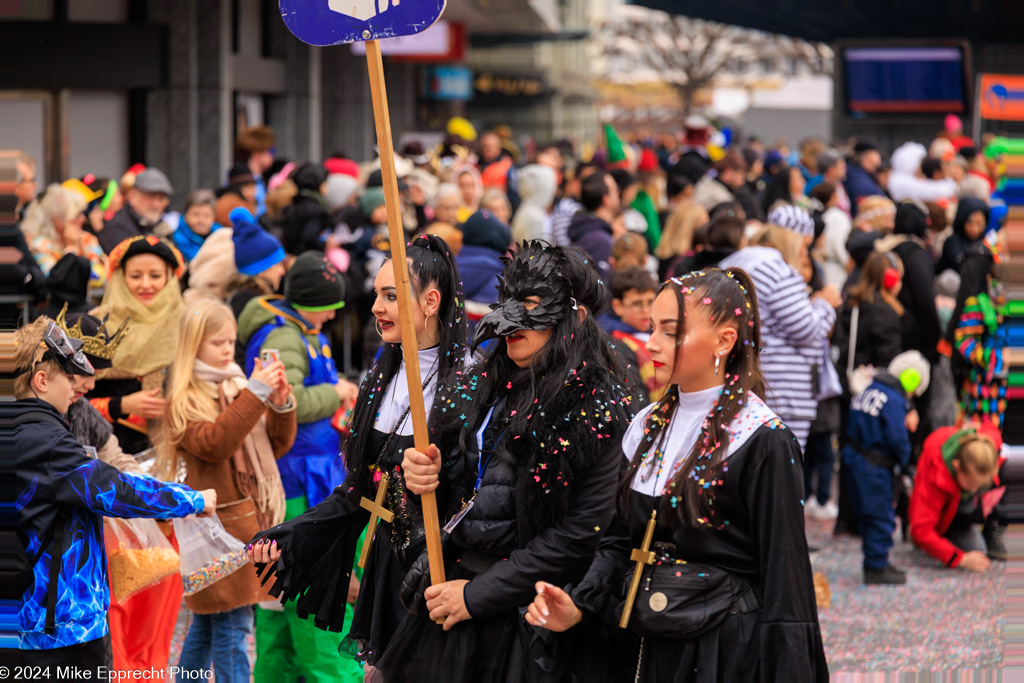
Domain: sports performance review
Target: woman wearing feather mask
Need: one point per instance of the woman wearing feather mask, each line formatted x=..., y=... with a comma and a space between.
x=527, y=453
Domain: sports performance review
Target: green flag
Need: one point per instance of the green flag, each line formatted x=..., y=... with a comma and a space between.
x=616, y=153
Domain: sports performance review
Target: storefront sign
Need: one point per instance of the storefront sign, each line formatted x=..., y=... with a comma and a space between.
x=449, y=83
x=486, y=84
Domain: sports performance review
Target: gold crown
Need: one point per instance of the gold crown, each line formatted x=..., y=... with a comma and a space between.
x=98, y=346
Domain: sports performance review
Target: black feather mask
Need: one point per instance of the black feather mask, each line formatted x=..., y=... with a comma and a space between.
x=535, y=270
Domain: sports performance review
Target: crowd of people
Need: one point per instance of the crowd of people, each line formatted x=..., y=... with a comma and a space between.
x=819, y=310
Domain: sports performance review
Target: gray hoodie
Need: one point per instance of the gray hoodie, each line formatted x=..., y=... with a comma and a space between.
x=537, y=187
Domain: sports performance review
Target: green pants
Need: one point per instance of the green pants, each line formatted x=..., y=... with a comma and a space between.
x=288, y=647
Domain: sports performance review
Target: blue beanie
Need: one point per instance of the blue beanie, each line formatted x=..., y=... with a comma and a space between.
x=255, y=248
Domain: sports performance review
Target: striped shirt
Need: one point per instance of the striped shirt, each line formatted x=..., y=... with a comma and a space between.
x=793, y=327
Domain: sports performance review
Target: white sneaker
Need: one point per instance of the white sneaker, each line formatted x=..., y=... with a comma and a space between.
x=811, y=507
x=827, y=512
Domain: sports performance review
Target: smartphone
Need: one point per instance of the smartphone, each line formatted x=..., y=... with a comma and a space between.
x=269, y=356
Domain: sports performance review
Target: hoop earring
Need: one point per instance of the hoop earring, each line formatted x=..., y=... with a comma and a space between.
x=376, y=326
x=718, y=362
x=435, y=315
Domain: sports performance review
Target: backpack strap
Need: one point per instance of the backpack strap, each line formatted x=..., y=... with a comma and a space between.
x=252, y=349
x=854, y=319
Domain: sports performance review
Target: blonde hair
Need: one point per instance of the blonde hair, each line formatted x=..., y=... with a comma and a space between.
x=677, y=237
x=28, y=350
x=187, y=401
x=54, y=204
x=787, y=242
x=280, y=197
x=979, y=454
x=492, y=195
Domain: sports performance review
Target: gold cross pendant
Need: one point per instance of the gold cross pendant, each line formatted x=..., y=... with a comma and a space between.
x=641, y=556
x=377, y=511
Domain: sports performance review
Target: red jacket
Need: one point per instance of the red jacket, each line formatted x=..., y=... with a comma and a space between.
x=936, y=497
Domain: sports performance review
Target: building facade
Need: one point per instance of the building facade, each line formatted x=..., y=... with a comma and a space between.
x=103, y=84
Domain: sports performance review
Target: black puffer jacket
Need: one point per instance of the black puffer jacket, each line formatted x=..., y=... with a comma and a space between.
x=546, y=496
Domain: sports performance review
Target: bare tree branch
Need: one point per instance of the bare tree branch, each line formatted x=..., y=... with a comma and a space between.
x=690, y=54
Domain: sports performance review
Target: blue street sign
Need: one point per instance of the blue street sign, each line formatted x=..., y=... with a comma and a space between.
x=334, y=22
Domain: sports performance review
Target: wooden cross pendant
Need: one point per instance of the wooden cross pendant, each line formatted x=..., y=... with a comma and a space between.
x=377, y=511
x=642, y=556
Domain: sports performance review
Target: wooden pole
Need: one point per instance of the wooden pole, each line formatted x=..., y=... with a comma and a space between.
x=410, y=352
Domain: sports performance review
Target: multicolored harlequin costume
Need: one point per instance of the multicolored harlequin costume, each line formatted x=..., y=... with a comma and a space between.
x=979, y=336
x=981, y=339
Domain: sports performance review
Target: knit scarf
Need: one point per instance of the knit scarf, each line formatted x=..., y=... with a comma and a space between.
x=187, y=241
x=255, y=466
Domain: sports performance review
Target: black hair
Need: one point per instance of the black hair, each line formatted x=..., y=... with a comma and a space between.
x=726, y=232
x=573, y=345
x=966, y=207
x=309, y=176
x=276, y=167
x=930, y=166
x=622, y=178
x=778, y=188
x=676, y=184
x=693, y=504
x=633, y=278
x=593, y=190
x=910, y=220
x=431, y=262
x=701, y=236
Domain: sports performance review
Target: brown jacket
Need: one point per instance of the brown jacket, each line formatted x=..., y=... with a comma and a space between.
x=207, y=449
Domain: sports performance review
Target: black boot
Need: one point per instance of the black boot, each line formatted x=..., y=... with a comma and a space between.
x=888, y=576
x=994, y=534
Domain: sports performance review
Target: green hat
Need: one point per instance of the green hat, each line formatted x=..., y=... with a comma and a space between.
x=371, y=198
x=616, y=152
x=314, y=284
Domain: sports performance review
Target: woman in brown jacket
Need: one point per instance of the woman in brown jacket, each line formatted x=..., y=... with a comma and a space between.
x=226, y=439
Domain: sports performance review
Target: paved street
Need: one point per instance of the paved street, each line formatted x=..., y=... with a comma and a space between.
x=941, y=620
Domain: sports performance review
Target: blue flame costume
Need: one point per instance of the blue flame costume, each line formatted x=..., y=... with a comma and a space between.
x=61, y=494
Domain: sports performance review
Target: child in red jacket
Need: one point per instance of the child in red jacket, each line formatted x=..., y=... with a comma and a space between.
x=956, y=488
